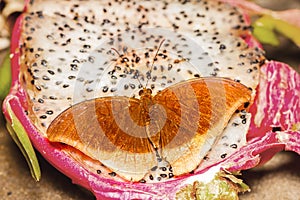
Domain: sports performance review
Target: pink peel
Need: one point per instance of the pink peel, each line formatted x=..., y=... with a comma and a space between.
x=278, y=100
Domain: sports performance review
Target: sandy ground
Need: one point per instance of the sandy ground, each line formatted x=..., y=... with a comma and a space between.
x=279, y=179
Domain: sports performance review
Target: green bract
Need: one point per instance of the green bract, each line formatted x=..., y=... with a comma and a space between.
x=20, y=137
x=5, y=77
x=266, y=27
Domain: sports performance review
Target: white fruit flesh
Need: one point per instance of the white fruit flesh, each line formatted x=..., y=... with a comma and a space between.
x=70, y=50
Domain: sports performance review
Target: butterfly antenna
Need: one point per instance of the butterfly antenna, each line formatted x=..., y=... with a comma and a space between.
x=154, y=59
x=115, y=50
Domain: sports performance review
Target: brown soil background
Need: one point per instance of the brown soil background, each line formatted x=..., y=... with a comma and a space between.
x=279, y=179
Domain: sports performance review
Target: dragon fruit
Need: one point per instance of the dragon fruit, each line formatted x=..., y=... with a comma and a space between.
x=92, y=53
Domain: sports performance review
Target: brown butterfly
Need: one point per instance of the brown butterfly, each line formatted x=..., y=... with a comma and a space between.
x=128, y=135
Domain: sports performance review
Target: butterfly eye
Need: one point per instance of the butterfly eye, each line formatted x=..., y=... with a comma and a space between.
x=141, y=92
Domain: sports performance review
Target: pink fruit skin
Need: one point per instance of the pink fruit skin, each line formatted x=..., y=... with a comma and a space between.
x=276, y=94
x=277, y=103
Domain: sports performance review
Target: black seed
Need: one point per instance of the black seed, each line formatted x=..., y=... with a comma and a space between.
x=276, y=128
x=86, y=46
x=132, y=86
x=155, y=167
x=98, y=171
x=224, y=155
x=244, y=121
x=151, y=177
x=112, y=174
x=222, y=47
x=137, y=59
x=142, y=181
x=214, y=74
x=49, y=112
x=40, y=100
x=159, y=178
x=163, y=175
x=46, y=78
x=105, y=89
x=71, y=77
x=52, y=98
x=246, y=104
x=76, y=61
x=163, y=168
x=44, y=63
x=74, y=67
x=234, y=146
x=112, y=72
x=43, y=116
x=171, y=175
x=65, y=85
x=38, y=87
x=51, y=72
x=91, y=59
x=242, y=55
x=40, y=14
x=235, y=124
x=89, y=89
